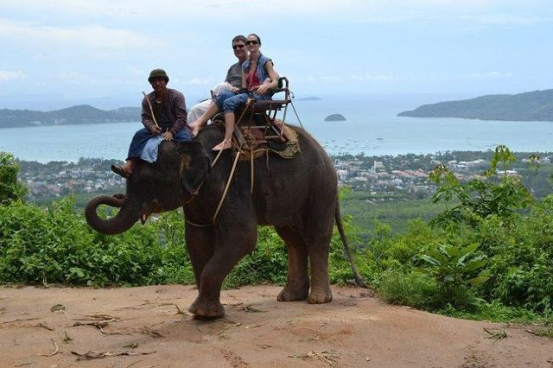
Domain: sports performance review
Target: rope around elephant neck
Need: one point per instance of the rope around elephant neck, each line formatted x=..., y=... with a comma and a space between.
x=201, y=184
x=239, y=152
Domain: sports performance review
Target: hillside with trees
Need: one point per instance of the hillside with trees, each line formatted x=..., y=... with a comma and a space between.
x=80, y=114
x=528, y=106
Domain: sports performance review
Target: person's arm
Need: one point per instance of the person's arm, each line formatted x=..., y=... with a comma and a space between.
x=271, y=82
x=244, y=79
x=179, y=106
x=147, y=119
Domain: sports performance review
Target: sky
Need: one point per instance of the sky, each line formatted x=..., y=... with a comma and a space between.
x=54, y=53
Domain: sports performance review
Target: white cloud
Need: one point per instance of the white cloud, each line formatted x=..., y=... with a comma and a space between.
x=84, y=79
x=77, y=78
x=170, y=9
x=505, y=19
x=384, y=19
x=373, y=11
x=140, y=11
x=492, y=74
x=197, y=81
x=377, y=77
x=365, y=78
x=33, y=33
x=10, y=75
x=41, y=57
x=354, y=78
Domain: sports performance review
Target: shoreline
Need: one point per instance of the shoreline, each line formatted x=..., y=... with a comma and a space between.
x=332, y=155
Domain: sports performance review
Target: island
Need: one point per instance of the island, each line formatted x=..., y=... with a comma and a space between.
x=528, y=106
x=80, y=114
x=335, y=118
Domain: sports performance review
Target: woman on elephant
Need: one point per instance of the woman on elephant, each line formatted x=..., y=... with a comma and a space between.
x=258, y=78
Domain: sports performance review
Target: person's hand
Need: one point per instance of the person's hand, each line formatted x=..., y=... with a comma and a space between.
x=155, y=130
x=194, y=130
x=234, y=89
x=262, y=89
x=168, y=136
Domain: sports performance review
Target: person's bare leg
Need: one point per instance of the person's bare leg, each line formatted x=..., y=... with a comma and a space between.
x=198, y=124
x=229, y=129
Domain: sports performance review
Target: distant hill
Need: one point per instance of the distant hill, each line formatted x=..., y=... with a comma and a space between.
x=80, y=114
x=528, y=106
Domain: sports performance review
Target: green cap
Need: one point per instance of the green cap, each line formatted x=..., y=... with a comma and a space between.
x=158, y=73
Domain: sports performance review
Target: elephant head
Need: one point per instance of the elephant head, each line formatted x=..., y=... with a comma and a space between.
x=153, y=188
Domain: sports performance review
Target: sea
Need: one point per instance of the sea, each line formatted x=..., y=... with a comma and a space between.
x=371, y=127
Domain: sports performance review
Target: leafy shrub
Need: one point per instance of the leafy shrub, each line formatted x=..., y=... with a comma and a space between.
x=57, y=246
x=414, y=289
x=492, y=246
x=455, y=268
x=500, y=195
x=10, y=188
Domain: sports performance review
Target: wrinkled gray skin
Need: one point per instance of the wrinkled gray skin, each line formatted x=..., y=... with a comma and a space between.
x=297, y=196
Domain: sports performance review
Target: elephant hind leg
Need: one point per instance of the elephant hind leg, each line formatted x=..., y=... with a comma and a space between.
x=297, y=283
x=320, y=284
x=317, y=239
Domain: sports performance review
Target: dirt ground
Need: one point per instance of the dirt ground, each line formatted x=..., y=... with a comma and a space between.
x=149, y=327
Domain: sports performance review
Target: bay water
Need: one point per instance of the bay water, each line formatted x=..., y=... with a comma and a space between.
x=372, y=127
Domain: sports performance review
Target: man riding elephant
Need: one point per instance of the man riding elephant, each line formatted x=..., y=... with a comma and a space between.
x=163, y=112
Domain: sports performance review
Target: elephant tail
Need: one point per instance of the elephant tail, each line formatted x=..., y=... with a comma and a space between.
x=358, y=279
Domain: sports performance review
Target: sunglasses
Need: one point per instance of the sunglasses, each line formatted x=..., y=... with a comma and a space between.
x=237, y=46
x=251, y=42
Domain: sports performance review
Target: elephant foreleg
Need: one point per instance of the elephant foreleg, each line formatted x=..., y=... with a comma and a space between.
x=200, y=244
x=297, y=282
x=227, y=254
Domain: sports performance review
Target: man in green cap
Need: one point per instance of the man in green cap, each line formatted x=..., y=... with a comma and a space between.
x=169, y=110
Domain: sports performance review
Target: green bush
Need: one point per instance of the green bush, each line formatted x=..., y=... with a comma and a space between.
x=57, y=246
x=10, y=188
x=492, y=246
x=414, y=289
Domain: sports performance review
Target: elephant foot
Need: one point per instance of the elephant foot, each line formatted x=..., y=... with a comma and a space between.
x=204, y=308
x=320, y=296
x=293, y=294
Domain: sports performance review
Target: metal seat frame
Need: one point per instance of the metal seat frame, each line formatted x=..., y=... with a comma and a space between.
x=262, y=114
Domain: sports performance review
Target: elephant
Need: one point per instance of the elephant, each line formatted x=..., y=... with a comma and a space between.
x=297, y=196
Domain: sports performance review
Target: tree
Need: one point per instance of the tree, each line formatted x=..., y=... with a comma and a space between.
x=10, y=188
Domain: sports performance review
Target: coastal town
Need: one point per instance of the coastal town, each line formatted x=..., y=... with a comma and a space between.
x=408, y=175
x=46, y=182
x=384, y=178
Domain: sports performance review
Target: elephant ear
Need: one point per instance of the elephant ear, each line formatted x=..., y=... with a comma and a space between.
x=195, y=165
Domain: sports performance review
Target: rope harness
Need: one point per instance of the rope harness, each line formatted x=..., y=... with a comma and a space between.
x=239, y=152
x=237, y=156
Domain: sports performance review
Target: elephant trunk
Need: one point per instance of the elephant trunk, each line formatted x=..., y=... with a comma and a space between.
x=120, y=223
